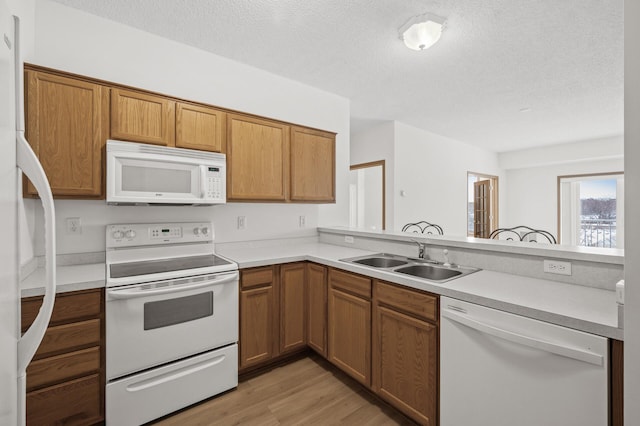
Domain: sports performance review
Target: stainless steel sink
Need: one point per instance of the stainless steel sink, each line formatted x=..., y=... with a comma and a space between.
x=429, y=272
x=381, y=262
x=419, y=268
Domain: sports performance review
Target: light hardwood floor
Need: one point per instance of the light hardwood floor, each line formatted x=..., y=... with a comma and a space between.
x=305, y=392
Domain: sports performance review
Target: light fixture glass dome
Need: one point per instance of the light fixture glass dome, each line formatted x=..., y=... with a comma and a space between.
x=422, y=32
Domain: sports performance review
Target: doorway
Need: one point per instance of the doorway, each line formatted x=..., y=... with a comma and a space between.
x=482, y=204
x=367, y=195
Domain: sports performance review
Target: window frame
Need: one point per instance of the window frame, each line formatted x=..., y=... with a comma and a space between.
x=578, y=177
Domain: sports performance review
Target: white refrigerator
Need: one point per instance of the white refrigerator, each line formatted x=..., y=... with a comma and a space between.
x=16, y=156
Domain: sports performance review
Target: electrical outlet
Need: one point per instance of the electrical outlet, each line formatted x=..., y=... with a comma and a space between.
x=557, y=267
x=303, y=221
x=242, y=222
x=74, y=225
x=348, y=239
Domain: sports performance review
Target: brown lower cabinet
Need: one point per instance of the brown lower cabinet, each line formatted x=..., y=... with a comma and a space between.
x=317, y=308
x=349, y=324
x=65, y=379
x=405, y=350
x=272, y=316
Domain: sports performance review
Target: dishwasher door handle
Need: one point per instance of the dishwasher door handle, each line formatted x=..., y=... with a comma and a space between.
x=532, y=342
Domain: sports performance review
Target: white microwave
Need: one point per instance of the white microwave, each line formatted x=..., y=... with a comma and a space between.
x=141, y=174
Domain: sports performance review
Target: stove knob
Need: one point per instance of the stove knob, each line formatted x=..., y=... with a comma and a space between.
x=117, y=235
x=130, y=234
x=196, y=231
x=205, y=231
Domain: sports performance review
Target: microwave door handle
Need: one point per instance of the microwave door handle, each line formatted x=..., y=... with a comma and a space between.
x=203, y=180
x=131, y=293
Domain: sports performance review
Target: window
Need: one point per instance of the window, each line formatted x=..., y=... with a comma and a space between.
x=482, y=204
x=591, y=210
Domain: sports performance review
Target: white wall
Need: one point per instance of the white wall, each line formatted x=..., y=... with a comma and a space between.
x=432, y=170
x=570, y=152
x=531, y=195
x=74, y=41
x=632, y=210
x=374, y=144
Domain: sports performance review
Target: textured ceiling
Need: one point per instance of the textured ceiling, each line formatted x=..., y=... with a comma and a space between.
x=506, y=74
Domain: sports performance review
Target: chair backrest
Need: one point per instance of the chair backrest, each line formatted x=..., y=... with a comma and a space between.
x=522, y=233
x=422, y=227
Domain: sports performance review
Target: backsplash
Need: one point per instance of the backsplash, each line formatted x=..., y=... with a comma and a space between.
x=262, y=221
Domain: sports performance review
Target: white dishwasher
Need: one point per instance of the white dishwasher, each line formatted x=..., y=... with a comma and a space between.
x=500, y=369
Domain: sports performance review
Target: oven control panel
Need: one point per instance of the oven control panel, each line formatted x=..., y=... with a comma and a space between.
x=142, y=234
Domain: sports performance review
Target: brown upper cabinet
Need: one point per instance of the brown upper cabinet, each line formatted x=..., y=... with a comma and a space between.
x=313, y=162
x=258, y=159
x=70, y=117
x=270, y=161
x=200, y=127
x=142, y=117
x=67, y=126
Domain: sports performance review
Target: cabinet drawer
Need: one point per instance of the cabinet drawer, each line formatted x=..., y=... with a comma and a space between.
x=78, y=402
x=47, y=371
x=256, y=277
x=413, y=302
x=351, y=283
x=67, y=308
x=69, y=337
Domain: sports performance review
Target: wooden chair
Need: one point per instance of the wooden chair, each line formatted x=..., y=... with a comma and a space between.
x=422, y=227
x=522, y=233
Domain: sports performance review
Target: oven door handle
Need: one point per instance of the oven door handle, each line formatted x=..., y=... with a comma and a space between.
x=130, y=293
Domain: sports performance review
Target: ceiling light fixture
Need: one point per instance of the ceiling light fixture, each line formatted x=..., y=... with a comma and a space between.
x=422, y=31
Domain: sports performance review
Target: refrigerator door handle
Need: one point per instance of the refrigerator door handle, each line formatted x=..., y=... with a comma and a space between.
x=30, y=166
x=27, y=161
x=532, y=342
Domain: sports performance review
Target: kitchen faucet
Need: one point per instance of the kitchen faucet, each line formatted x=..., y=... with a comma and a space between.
x=422, y=249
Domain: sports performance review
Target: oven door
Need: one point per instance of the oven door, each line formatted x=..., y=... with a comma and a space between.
x=153, y=323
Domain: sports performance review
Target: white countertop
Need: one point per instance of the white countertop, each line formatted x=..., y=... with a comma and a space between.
x=69, y=278
x=583, y=308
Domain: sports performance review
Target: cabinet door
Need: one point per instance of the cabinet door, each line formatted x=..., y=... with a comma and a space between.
x=257, y=335
x=293, y=332
x=350, y=334
x=67, y=126
x=199, y=127
x=317, y=308
x=140, y=117
x=312, y=165
x=257, y=159
x=405, y=363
